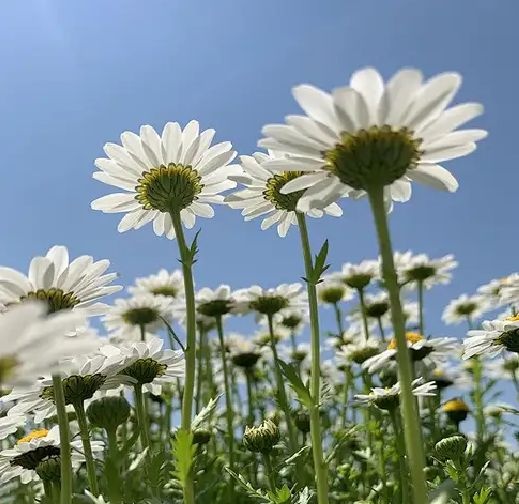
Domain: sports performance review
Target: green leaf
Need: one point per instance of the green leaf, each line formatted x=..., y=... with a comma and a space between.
x=184, y=452
x=280, y=496
x=172, y=334
x=483, y=496
x=319, y=266
x=302, y=453
x=205, y=413
x=251, y=491
x=296, y=383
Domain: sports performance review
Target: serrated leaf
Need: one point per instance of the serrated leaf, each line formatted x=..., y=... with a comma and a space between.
x=280, y=496
x=296, y=383
x=184, y=452
x=172, y=334
x=251, y=491
x=205, y=413
x=305, y=450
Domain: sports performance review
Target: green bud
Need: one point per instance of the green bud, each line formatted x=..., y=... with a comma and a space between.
x=261, y=439
x=302, y=420
x=49, y=469
x=109, y=412
x=201, y=436
x=451, y=448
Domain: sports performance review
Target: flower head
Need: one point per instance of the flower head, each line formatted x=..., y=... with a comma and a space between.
x=63, y=285
x=176, y=172
x=164, y=283
x=372, y=133
x=333, y=290
x=358, y=276
x=494, y=337
x=262, y=194
x=420, y=268
x=463, y=308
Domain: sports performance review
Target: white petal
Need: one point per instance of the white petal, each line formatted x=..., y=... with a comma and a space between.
x=401, y=190
x=151, y=145
x=188, y=218
x=117, y=202
x=317, y=104
x=171, y=140
x=302, y=182
x=369, y=84
x=399, y=93
x=271, y=220
x=435, y=176
x=451, y=119
x=129, y=220
x=351, y=109
x=439, y=154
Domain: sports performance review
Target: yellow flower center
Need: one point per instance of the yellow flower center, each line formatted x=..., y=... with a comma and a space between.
x=411, y=337
x=272, y=192
x=455, y=405
x=35, y=434
x=512, y=318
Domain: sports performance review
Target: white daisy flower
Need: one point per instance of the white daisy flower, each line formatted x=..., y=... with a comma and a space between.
x=358, y=276
x=216, y=302
x=243, y=351
x=163, y=283
x=76, y=285
x=420, y=268
x=146, y=363
x=83, y=378
x=358, y=351
x=41, y=342
x=268, y=302
x=10, y=424
x=494, y=337
x=465, y=308
x=130, y=319
x=262, y=195
x=176, y=172
x=261, y=337
x=388, y=398
x=293, y=319
x=492, y=291
x=436, y=349
x=24, y=459
x=371, y=132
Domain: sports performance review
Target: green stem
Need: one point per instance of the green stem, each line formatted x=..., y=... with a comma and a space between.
x=142, y=419
x=363, y=311
x=321, y=469
x=142, y=329
x=338, y=318
x=55, y=491
x=347, y=381
x=412, y=422
x=48, y=490
x=84, y=433
x=270, y=472
x=190, y=352
x=64, y=435
x=381, y=329
x=479, y=415
x=198, y=395
x=400, y=449
x=250, y=396
x=228, y=403
x=280, y=385
x=113, y=478
x=420, y=306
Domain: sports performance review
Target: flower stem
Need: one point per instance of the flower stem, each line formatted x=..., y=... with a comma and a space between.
x=412, y=425
x=190, y=352
x=64, y=437
x=113, y=477
x=363, y=311
x=249, y=373
x=270, y=472
x=400, y=449
x=338, y=319
x=321, y=469
x=420, y=306
x=280, y=385
x=228, y=403
x=79, y=408
x=141, y=416
x=198, y=395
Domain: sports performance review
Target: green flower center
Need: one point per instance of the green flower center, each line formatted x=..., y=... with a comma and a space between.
x=76, y=388
x=245, y=359
x=387, y=402
x=510, y=340
x=140, y=316
x=144, y=370
x=358, y=281
x=377, y=310
x=331, y=295
x=272, y=192
x=56, y=299
x=165, y=290
x=269, y=305
x=216, y=308
x=291, y=322
x=168, y=188
x=465, y=309
x=376, y=156
x=32, y=459
x=421, y=273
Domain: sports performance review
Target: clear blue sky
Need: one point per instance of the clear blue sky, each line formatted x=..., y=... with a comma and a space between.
x=76, y=74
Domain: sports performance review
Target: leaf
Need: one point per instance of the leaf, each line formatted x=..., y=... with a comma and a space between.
x=280, y=496
x=193, y=249
x=304, y=496
x=205, y=413
x=296, y=383
x=303, y=452
x=483, y=496
x=138, y=460
x=173, y=334
x=184, y=452
x=251, y=491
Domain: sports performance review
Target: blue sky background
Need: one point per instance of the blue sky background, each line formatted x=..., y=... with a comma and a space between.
x=76, y=74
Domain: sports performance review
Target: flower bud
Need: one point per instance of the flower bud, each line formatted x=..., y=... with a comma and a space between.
x=451, y=448
x=261, y=439
x=49, y=469
x=201, y=436
x=302, y=420
x=109, y=412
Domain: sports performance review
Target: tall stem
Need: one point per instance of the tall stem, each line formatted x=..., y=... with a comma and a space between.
x=420, y=306
x=198, y=395
x=113, y=478
x=363, y=311
x=64, y=440
x=228, y=403
x=400, y=450
x=190, y=352
x=280, y=385
x=250, y=396
x=321, y=469
x=412, y=423
x=79, y=408
x=270, y=472
x=142, y=330
x=141, y=416
x=338, y=318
